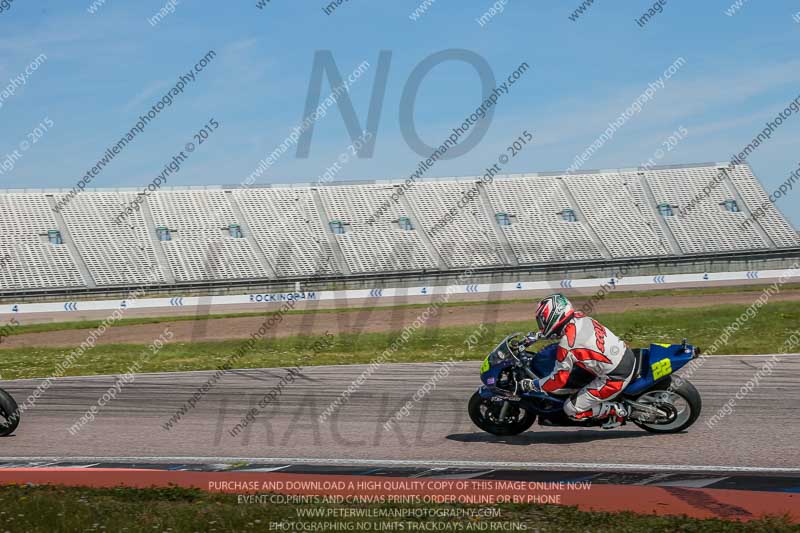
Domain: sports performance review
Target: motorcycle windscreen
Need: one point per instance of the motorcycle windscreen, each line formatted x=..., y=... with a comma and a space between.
x=495, y=362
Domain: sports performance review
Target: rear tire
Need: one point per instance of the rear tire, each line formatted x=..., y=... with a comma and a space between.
x=687, y=393
x=9, y=414
x=481, y=411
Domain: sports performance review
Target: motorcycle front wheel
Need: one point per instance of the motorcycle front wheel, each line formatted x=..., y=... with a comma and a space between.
x=486, y=415
x=9, y=414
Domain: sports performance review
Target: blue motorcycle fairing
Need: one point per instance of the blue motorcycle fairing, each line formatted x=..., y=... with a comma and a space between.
x=658, y=363
x=485, y=392
x=545, y=360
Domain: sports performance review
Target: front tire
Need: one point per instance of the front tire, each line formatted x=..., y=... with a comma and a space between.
x=683, y=399
x=484, y=414
x=9, y=414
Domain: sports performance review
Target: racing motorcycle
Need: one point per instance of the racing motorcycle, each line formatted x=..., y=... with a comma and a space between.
x=656, y=400
x=9, y=414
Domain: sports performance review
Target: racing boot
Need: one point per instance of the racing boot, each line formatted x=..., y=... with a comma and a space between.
x=614, y=413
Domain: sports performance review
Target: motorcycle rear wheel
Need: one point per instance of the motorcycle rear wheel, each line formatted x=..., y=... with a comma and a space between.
x=483, y=414
x=9, y=414
x=683, y=399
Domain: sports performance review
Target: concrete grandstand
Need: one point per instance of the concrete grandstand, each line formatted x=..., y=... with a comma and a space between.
x=198, y=238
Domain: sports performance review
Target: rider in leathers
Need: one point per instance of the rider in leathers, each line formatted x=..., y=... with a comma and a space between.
x=588, y=344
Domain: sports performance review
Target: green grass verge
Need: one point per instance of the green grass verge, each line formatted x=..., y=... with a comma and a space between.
x=52, y=509
x=92, y=324
x=765, y=333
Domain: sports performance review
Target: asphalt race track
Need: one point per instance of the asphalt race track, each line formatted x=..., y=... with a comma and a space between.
x=761, y=434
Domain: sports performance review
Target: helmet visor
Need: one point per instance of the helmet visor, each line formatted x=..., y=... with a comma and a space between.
x=540, y=323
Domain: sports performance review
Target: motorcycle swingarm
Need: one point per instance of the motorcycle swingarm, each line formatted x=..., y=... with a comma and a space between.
x=652, y=412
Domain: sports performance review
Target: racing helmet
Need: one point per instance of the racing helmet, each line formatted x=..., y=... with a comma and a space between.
x=552, y=314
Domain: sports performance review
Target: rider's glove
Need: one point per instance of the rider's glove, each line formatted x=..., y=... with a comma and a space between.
x=531, y=339
x=530, y=385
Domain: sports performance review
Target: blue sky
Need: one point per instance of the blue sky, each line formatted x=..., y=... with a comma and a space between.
x=105, y=69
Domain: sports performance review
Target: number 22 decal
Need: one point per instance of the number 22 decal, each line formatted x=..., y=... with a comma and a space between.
x=661, y=368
